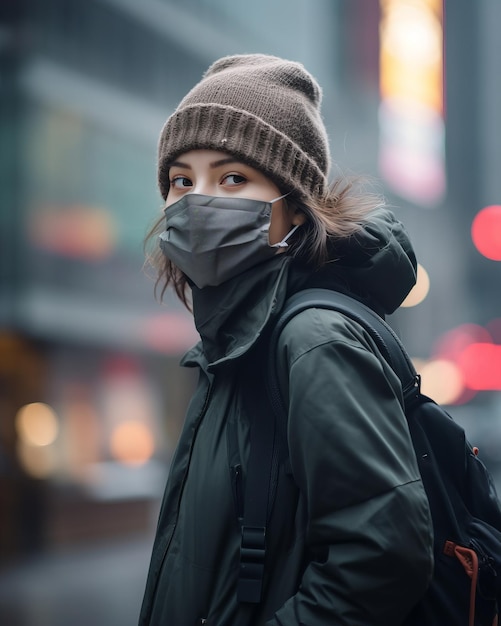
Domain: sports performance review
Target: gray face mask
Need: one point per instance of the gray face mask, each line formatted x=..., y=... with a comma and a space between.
x=213, y=239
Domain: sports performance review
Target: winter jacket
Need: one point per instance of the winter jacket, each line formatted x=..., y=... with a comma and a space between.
x=349, y=541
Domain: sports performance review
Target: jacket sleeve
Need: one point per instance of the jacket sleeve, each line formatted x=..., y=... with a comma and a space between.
x=369, y=536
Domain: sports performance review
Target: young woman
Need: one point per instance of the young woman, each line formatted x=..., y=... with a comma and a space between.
x=249, y=220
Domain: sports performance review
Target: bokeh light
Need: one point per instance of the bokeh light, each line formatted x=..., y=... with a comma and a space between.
x=420, y=290
x=76, y=231
x=442, y=380
x=476, y=354
x=451, y=344
x=480, y=364
x=37, y=424
x=37, y=427
x=486, y=232
x=132, y=443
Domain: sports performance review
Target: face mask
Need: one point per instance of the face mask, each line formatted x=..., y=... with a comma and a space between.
x=213, y=239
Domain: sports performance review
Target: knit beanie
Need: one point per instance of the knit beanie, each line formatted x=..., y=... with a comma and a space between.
x=261, y=109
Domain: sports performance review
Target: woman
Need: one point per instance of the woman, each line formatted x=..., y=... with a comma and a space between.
x=250, y=219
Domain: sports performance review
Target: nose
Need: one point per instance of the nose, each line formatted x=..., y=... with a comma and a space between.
x=203, y=187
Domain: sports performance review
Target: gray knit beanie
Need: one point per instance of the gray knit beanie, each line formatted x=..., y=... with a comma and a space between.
x=263, y=110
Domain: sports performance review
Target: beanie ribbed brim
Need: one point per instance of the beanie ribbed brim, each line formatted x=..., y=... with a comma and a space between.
x=245, y=136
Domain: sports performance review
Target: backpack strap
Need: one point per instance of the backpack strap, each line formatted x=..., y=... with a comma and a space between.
x=260, y=481
x=383, y=335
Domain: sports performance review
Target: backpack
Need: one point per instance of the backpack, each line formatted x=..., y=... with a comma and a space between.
x=466, y=586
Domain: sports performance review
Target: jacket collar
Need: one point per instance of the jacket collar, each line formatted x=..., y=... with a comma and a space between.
x=231, y=317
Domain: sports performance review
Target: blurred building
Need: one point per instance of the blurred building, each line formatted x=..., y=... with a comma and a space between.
x=91, y=396
x=91, y=392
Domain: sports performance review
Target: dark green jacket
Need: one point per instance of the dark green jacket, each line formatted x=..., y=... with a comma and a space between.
x=349, y=542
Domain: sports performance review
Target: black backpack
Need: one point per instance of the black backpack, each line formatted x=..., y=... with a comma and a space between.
x=466, y=586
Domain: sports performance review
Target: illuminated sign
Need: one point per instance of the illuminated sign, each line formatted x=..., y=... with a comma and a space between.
x=411, y=115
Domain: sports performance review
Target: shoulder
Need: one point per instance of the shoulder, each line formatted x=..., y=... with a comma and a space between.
x=331, y=347
x=313, y=328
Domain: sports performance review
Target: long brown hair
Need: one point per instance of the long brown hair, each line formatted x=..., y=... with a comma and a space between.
x=339, y=214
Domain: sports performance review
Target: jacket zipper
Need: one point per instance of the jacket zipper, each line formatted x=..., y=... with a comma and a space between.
x=237, y=486
x=208, y=396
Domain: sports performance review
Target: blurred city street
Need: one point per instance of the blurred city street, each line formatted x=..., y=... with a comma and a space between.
x=96, y=585
x=92, y=397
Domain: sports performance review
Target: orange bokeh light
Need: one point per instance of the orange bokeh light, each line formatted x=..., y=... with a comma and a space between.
x=442, y=380
x=132, y=443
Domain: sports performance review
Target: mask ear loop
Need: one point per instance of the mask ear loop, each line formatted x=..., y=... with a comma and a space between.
x=283, y=243
x=280, y=197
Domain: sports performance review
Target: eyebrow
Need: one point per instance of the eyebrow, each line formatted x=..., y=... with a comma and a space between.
x=212, y=165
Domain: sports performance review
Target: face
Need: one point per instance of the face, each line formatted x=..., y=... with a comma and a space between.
x=215, y=173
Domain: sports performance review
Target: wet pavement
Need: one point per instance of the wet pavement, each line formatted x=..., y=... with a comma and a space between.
x=101, y=585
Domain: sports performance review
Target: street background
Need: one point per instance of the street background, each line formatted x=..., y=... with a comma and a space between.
x=91, y=396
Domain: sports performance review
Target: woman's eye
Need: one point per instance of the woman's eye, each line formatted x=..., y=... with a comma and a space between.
x=180, y=182
x=234, y=179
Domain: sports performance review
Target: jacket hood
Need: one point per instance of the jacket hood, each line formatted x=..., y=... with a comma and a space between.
x=232, y=316
x=377, y=264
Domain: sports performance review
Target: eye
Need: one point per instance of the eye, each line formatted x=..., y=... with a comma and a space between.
x=180, y=182
x=231, y=180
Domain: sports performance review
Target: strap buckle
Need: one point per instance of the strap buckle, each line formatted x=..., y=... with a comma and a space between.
x=252, y=552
